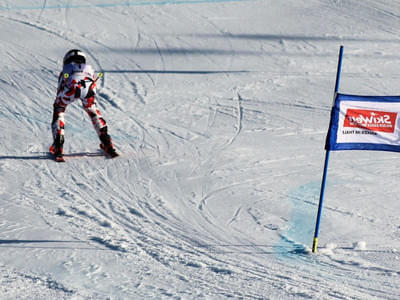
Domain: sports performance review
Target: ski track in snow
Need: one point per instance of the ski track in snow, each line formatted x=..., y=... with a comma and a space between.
x=220, y=112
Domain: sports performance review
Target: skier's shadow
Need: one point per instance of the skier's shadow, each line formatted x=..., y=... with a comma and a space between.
x=25, y=157
x=48, y=156
x=49, y=244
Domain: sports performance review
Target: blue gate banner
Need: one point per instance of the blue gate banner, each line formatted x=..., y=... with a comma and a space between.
x=364, y=123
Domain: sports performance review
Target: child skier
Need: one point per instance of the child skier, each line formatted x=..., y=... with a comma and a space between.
x=77, y=81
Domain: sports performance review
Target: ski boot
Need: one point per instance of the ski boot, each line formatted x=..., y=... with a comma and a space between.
x=57, y=148
x=107, y=144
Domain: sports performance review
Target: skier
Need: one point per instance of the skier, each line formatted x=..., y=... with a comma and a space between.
x=77, y=81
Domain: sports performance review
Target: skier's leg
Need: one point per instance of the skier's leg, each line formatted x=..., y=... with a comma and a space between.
x=99, y=124
x=57, y=126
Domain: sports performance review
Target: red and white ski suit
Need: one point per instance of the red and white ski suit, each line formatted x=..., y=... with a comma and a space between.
x=76, y=81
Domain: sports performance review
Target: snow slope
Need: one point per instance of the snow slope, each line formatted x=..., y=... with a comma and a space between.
x=220, y=110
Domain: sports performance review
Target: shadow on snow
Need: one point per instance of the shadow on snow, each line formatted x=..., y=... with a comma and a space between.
x=46, y=156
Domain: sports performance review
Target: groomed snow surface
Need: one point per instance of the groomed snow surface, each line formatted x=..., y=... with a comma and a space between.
x=220, y=111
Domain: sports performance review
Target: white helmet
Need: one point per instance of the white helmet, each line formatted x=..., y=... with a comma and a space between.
x=74, y=55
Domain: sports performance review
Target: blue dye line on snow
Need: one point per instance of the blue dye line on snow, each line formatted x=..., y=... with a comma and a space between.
x=298, y=237
x=105, y=5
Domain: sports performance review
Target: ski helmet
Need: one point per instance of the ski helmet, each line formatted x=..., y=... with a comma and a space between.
x=74, y=55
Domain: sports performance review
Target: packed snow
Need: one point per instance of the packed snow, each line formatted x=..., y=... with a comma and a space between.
x=220, y=111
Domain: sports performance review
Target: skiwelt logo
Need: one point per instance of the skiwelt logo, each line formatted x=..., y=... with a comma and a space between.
x=371, y=120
